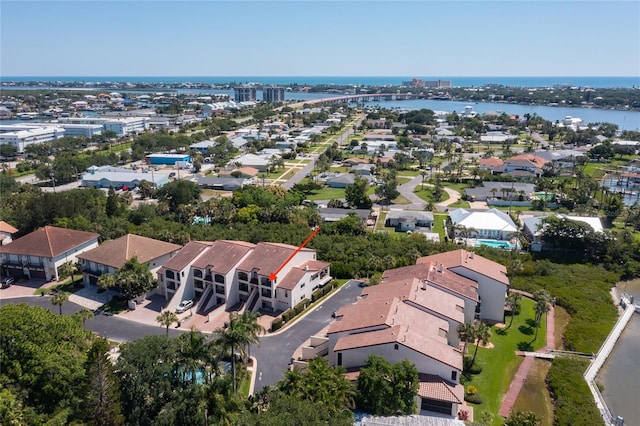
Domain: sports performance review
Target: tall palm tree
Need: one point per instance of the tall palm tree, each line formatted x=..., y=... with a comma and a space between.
x=241, y=331
x=59, y=298
x=481, y=334
x=193, y=356
x=541, y=307
x=166, y=318
x=514, y=301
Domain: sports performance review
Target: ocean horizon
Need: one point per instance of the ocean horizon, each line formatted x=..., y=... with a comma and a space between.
x=456, y=81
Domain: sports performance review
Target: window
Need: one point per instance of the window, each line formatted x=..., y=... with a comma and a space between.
x=243, y=276
x=244, y=287
x=302, y=285
x=286, y=293
x=395, y=346
x=219, y=289
x=339, y=358
x=219, y=278
x=265, y=292
x=436, y=406
x=170, y=274
x=454, y=376
x=197, y=273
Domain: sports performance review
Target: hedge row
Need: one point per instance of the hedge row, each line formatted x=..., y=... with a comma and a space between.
x=321, y=292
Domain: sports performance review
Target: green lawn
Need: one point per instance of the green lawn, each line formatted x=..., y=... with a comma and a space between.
x=427, y=194
x=500, y=363
x=460, y=204
x=327, y=194
x=438, y=224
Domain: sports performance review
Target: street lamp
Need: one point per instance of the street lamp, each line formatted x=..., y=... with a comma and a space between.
x=53, y=181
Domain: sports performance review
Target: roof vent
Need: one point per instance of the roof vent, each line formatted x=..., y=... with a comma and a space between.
x=306, y=267
x=471, y=255
x=440, y=268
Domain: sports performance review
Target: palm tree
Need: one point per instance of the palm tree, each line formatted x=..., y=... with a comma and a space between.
x=59, y=298
x=541, y=307
x=465, y=333
x=242, y=330
x=481, y=334
x=193, y=356
x=84, y=314
x=105, y=282
x=514, y=301
x=166, y=318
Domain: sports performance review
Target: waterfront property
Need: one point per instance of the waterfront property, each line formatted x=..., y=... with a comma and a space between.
x=489, y=224
x=41, y=253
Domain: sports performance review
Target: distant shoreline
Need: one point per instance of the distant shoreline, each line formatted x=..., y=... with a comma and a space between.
x=628, y=82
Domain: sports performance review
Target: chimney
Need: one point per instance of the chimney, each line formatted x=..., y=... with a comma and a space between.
x=471, y=255
x=440, y=268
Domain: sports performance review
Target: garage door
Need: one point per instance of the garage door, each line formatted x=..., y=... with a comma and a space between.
x=37, y=274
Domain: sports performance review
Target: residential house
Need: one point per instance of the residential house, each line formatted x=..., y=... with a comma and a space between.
x=532, y=228
x=6, y=232
x=341, y=180
x=405, y=317
x=112, y=255
x=362, y=169
x=407, y=220
x=241, y=172
x=491, y=164
x=334, y=215
x=259, y=162
x=235, y=273
x=491, y=278
x=40, y=253
x=222, y=183
x=526, y=165
x=493, y=223
x=501, y=190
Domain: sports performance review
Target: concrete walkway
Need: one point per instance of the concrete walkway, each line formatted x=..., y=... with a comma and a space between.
x=523, y=371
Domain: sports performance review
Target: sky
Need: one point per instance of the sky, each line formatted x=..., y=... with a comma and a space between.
x=319, y=38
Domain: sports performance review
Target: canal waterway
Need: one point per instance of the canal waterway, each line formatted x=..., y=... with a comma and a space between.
x=620, y=375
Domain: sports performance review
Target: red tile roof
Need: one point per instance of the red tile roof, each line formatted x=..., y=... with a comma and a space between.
x=435, y=387
x=49, y=241
x=491, y=161
x=469, y=260
x=223, y=255
x=115, y=253
x=405, y=325
x=431, y=273
x=268, y=257
x=538, y=161
x=5, y=227
x=186, y=255
x=428, y=297
x=291, y=280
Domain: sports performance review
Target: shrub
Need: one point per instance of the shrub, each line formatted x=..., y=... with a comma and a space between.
x=473, y=398
x=287, y=315
x=276, y=324
x=317, y=294
x=573, y=400
x=472, y=390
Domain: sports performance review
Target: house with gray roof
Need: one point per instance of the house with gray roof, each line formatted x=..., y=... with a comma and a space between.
x=409, y=220
x=341, y=181
x=222, y=183
x=532, y=228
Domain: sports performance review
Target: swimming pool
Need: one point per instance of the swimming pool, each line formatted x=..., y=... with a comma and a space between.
x=495, y=244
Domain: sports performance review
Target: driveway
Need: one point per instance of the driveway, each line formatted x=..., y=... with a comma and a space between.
x=276, y=350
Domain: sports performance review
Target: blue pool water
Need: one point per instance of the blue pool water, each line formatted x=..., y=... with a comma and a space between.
x=495, y=244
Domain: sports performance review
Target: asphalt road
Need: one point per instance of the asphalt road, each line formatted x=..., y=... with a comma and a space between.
x=108, y=326
x=274, y=353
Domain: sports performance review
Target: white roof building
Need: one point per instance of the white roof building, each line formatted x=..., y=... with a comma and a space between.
x=492, y=223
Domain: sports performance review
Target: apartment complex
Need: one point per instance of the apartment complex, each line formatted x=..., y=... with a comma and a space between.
x=246, y=93
x=232, y=273
x=273, y=94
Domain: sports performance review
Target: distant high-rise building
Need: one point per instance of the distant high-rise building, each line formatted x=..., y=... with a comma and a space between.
x=273, y=94
x=244, y=93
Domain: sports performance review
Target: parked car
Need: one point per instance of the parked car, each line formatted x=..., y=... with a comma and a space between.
x=6, y=282
x=184, y=305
